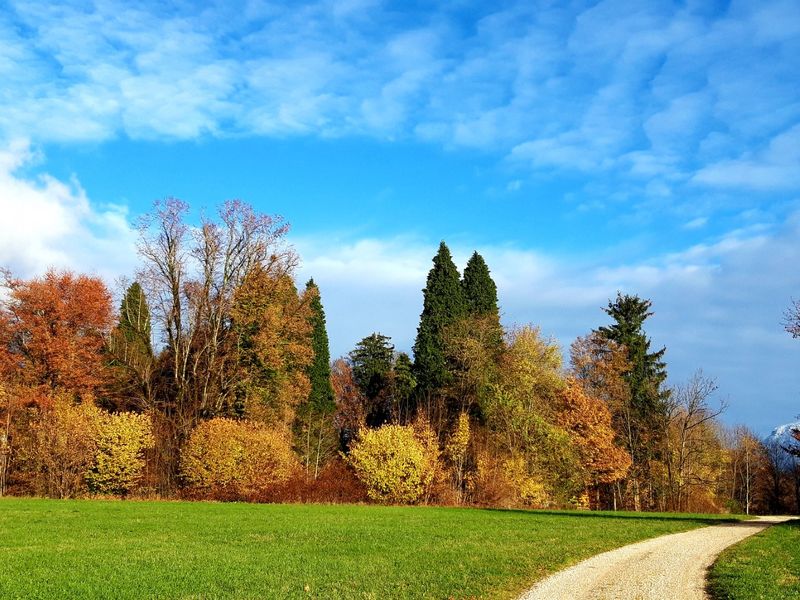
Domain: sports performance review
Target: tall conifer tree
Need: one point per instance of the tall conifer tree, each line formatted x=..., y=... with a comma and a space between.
x=134, y=326
x=645, y=420
x=443, y=304
x=480, y=291
x=319, y=371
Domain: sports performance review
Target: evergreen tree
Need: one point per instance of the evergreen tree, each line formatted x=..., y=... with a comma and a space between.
x=443, y=304
x=134, y=328
x=480, y=294
x=480, y=291
x=648, y=370
x=645, y=418
x=131, y=349
x=372, y=362
x=319, y=371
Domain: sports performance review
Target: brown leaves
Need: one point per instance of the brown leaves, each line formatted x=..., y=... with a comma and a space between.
x=53, y=331
x=588, y=420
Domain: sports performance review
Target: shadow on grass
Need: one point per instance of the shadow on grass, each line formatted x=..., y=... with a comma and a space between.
x=705, y=519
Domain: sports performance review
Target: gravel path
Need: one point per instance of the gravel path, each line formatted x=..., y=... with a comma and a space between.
x=671, y=566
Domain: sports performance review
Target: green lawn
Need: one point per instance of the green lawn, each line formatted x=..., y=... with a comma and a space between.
x=111, y=549
x=766, y=565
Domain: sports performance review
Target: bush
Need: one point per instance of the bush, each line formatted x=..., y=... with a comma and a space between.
x=63, y=446
x=393, y=463
x=229, y=459
x=119, y=458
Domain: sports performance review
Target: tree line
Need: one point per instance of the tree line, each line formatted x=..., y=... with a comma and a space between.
x=239, y=399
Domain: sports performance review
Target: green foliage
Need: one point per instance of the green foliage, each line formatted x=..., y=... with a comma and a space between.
x=228, y=457
x=128, y=550
x=766, y=565
x=480, y=291
x=119, y=458
x=372, y=364
x=393, y=463
x=443, y=304
x=646, y=375
x=319, y=371
x=134, y=327
x=403, y=385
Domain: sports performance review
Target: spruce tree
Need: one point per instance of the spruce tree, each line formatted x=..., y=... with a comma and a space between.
x=645, y=419
x=480, y=291
x=443, y=304
x=648, y=370
x=321, y=397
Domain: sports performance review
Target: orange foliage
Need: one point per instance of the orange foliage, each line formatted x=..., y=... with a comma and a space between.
x=588, y=421
x=53, y=331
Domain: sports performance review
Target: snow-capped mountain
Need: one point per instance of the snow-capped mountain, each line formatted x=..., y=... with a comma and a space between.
x=782, y=436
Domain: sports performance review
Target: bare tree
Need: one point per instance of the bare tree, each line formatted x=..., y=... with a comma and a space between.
x=688, y=417
x=190, y=275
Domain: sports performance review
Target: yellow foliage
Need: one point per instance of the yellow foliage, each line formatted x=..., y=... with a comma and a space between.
x=396, y=463
x=239, y=457
x=63, y=445
x=119, y=459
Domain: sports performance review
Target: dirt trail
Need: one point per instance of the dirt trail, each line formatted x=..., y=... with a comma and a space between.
x=671, y=566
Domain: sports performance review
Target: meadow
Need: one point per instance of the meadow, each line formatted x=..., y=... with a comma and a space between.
x=766, y=566
x=132, y=549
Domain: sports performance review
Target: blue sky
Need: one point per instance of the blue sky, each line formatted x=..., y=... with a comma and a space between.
x=582, y=148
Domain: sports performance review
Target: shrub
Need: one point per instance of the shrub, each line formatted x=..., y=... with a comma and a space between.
x=119, y=458
x=393, y=463
x=63, y=446
x=228, y=459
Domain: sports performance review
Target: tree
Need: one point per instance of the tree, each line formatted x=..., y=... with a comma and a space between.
x=647, y=372
x=480, y=291
x=350, y=415
x=372, y=362
x=588, y=421
x=191, y=275
x=130, y=343
x=54, y=329
x=273, y=335
x=443, y=304
x=691, y=447
x=319, y=371
x=792, y=319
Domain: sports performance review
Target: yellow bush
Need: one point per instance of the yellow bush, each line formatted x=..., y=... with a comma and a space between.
x=235, y=457
x=394, y=464
x=119, y=458
x=63, y=445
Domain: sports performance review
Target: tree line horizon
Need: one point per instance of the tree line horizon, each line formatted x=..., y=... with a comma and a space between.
x=242, y=401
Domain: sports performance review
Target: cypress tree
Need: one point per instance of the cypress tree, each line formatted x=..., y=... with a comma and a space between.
x=321, y=397
x=480, y=291
x=443, y=304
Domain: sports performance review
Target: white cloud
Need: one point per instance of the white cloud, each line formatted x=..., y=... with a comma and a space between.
x=642, y=88
x=776, y=167
x=51, y=223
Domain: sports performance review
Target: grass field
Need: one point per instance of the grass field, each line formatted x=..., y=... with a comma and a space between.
x=105, y=549
x=766, y=565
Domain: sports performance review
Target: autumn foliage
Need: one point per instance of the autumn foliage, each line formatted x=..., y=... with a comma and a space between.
x=215, y=381
x=226, y=458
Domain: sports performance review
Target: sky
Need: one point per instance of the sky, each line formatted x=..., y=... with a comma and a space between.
x=583, y=148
